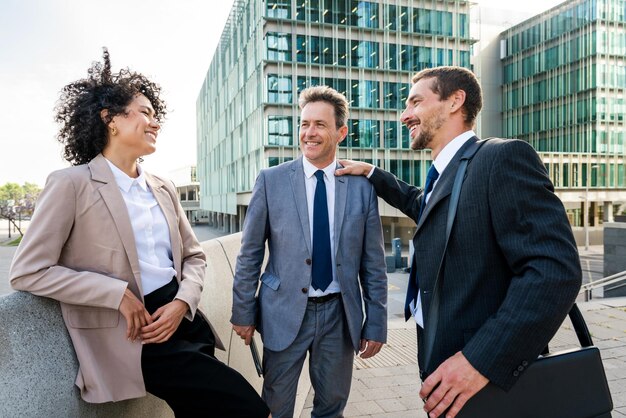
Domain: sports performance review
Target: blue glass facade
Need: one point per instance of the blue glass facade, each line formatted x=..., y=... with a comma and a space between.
x=271, y=50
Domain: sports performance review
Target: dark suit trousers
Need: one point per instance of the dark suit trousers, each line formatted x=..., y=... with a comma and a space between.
x=184, y=372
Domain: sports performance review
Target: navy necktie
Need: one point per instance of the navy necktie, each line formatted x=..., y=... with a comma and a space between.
x=411, y=294
x=431, y=178
x=322, y=271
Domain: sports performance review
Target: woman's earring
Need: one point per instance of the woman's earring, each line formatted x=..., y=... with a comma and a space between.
x=113, y=131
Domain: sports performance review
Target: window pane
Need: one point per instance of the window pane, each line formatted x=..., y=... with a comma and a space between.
x=280, y=130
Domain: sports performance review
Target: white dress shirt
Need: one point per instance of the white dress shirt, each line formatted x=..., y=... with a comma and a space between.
x=152, y=236
x=310, y=182
x=441, y=162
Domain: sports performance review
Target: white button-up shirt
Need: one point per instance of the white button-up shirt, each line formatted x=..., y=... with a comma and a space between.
x=152, y=236
x=441, y=162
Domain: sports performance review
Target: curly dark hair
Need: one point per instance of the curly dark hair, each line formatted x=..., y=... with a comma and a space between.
x=83, y=131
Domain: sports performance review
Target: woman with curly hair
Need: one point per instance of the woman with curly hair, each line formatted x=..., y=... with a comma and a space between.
x=112, y=244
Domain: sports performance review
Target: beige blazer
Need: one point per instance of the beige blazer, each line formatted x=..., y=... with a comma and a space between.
x=80, y=250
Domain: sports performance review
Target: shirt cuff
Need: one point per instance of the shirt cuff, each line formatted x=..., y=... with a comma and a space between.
x=371, y=172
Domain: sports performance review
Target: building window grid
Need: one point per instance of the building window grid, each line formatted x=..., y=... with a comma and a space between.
x=249, y=157
x=373, y=16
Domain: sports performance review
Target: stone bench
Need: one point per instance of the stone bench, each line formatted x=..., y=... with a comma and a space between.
x=38, y=365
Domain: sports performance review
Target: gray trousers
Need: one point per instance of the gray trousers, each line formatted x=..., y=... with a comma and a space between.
x=324, y=335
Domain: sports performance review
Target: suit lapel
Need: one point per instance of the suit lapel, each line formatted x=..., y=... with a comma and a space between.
x=100, y=172
x=299, y=193
x=341, y=195
x=445, y=183
x=164, y=199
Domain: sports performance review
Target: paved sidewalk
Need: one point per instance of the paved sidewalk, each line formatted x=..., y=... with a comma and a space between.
x=387, y=385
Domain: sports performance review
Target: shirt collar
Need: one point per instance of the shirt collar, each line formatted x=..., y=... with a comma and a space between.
x=310, y=169
x=449, y=151
x=124, y=181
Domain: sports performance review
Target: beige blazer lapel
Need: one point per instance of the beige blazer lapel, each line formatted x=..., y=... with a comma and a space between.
x=100, y=172
x=164, y=200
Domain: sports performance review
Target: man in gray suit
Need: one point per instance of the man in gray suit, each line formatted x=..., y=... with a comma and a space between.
x=511, y=271
x=325, y=245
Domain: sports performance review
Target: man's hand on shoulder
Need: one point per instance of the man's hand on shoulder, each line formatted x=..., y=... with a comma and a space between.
x=450, y=386
x=246, y=332
x=369, y=348
x=354, y=168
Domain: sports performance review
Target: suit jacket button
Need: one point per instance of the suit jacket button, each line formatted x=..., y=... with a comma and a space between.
x=520, y=368
x=525, y=363
x=515, y=373
x=305, y=290
x=308, y=261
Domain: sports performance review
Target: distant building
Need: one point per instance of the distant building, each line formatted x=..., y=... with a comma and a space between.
x=188, y=188
x=564, y=86
x=270, y=50
x=556, y=80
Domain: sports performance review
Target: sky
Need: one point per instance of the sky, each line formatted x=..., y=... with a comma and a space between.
x=46, y=44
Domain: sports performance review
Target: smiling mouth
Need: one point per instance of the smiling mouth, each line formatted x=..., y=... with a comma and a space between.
x=152, y=134
x=413, y=126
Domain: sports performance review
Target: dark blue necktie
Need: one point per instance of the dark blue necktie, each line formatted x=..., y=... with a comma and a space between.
x=411, y=293
x=431, y=178
x=322, y=271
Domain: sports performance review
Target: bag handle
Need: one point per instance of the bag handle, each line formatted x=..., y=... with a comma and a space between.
x=580, y=326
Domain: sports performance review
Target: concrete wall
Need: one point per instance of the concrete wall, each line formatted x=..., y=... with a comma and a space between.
x=614, y=256
x=38, y=366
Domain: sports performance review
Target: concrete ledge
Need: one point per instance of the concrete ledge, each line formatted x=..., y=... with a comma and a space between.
x=38, y=365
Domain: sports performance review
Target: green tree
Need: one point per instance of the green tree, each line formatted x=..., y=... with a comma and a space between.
x=17, y=201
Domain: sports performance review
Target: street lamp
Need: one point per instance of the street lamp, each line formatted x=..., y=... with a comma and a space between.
x=586, y=218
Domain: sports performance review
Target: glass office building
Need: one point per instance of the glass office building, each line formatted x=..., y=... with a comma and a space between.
x=564, y=86
x=270, y=50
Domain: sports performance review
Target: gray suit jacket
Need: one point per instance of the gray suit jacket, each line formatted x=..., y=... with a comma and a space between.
x=512, y=269
x=278, y=215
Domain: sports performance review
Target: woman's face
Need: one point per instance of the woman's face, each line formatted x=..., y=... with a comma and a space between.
x=137, y=130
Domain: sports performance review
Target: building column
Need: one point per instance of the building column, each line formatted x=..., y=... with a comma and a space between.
x=233, y=224
x=608, y=212
x=594, y=214
x=241, y=215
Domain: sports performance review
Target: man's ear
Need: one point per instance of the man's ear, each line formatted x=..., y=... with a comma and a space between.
x=343, y=132
x=458, y=100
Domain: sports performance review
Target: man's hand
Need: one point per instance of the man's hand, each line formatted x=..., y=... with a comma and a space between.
x=166, y=320
x=451, y=386
x=135, y=314
x=245, y=332
x=369, y=348
x=355, y=168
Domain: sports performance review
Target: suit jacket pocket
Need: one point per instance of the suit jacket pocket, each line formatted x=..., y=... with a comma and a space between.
x=270, y=280
x=88, y=317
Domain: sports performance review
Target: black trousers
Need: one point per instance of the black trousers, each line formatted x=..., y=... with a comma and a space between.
x=184, y=372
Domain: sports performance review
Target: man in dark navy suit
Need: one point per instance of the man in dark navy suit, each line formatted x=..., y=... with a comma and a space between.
x=511, y=271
